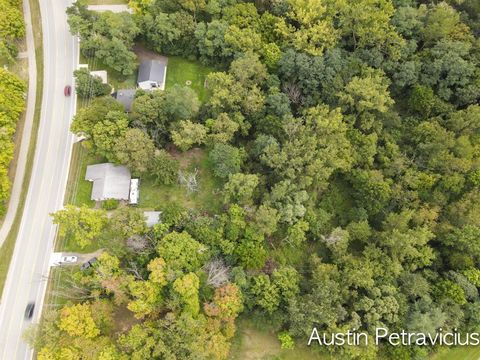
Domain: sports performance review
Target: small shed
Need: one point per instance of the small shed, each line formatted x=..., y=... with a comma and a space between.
x=102, y=74
x=152, y=75
x=125, y=97
x=152, y=217
x=133, y=200
x=109, y=181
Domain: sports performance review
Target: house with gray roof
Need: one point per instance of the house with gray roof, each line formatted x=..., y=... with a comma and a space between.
x=110, y=181
x=125, y=97
x=152, y=75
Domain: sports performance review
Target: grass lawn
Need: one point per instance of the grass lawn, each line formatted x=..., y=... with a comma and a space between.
x=181, y=70
x=205, y=199
x=253, y=343
x=78, y=189
x=115, y=79
x=459, y=353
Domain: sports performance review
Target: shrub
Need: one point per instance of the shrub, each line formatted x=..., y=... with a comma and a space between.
x=165, y=168
x=110, y=204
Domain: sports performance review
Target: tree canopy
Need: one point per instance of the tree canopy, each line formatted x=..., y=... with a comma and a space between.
x=340, y=140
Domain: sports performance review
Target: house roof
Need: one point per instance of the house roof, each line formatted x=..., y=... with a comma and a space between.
x=109, y=181
x=125, y=97
x=152, y=70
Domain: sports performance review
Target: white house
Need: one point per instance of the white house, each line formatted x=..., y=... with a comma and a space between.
x=152, y=75
x=109, y=181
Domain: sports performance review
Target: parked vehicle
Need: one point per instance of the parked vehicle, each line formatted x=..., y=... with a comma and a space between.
x=89, y=263
x=29, y=310
x=67, y=91
x=68, y=259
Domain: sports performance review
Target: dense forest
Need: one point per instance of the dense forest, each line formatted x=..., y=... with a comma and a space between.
x=12, y=89
x=346, y=137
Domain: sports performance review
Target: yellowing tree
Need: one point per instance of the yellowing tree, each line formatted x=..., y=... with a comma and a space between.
x=77, y=320
x=187, y=286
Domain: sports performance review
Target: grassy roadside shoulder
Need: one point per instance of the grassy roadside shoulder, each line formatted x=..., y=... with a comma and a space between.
x=8, y=246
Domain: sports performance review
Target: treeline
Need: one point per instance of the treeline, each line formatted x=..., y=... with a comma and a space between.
x=347, y=137
x=12, y=89
x=12, y=103
x=12, y=28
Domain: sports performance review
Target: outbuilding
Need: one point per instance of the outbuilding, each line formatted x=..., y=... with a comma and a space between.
x=125, y=97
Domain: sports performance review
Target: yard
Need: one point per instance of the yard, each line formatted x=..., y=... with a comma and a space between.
x=78, y=189
x=253, y=343
x=459, y=353
x=179, y=70
x=115, y=79
x=184, y=72
x=207, y=197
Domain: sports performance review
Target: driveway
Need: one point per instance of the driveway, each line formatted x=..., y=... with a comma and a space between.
x=81, y=258
x=112, y=8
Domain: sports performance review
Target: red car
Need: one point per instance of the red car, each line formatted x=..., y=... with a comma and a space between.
x=67, y=91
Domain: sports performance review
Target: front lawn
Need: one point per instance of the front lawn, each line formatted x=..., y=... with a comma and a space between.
x=180, y=71
x=207, y=198
x=79, y=190
x=115, y=79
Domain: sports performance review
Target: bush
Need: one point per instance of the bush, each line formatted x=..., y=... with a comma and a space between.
x=286, y=340
x=226, y=160
x=110, y=204
x=89, y=86
x=173, y=214
x=165, y=168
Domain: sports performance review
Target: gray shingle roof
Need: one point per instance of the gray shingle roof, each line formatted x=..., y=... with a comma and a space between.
x=109, y=181
x=151, y=70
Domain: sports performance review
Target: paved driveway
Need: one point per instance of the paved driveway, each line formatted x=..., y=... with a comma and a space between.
x=112, y=8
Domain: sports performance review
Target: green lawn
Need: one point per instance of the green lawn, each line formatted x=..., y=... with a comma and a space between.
x=205, y=199
x=181, y=70
x=115, y=79
x=258, y=342
x=459, y=353
x=78, y=189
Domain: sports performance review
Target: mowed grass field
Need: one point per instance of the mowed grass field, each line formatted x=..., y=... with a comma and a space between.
x=78, y=189
x=207, y=198
x=459, y=353
x=180, y=70
x=253, y=342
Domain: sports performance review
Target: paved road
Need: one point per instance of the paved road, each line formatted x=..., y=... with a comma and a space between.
x=26, y=278
x=27, y=129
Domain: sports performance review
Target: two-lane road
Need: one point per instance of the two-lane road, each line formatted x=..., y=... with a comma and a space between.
x=29, y=267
